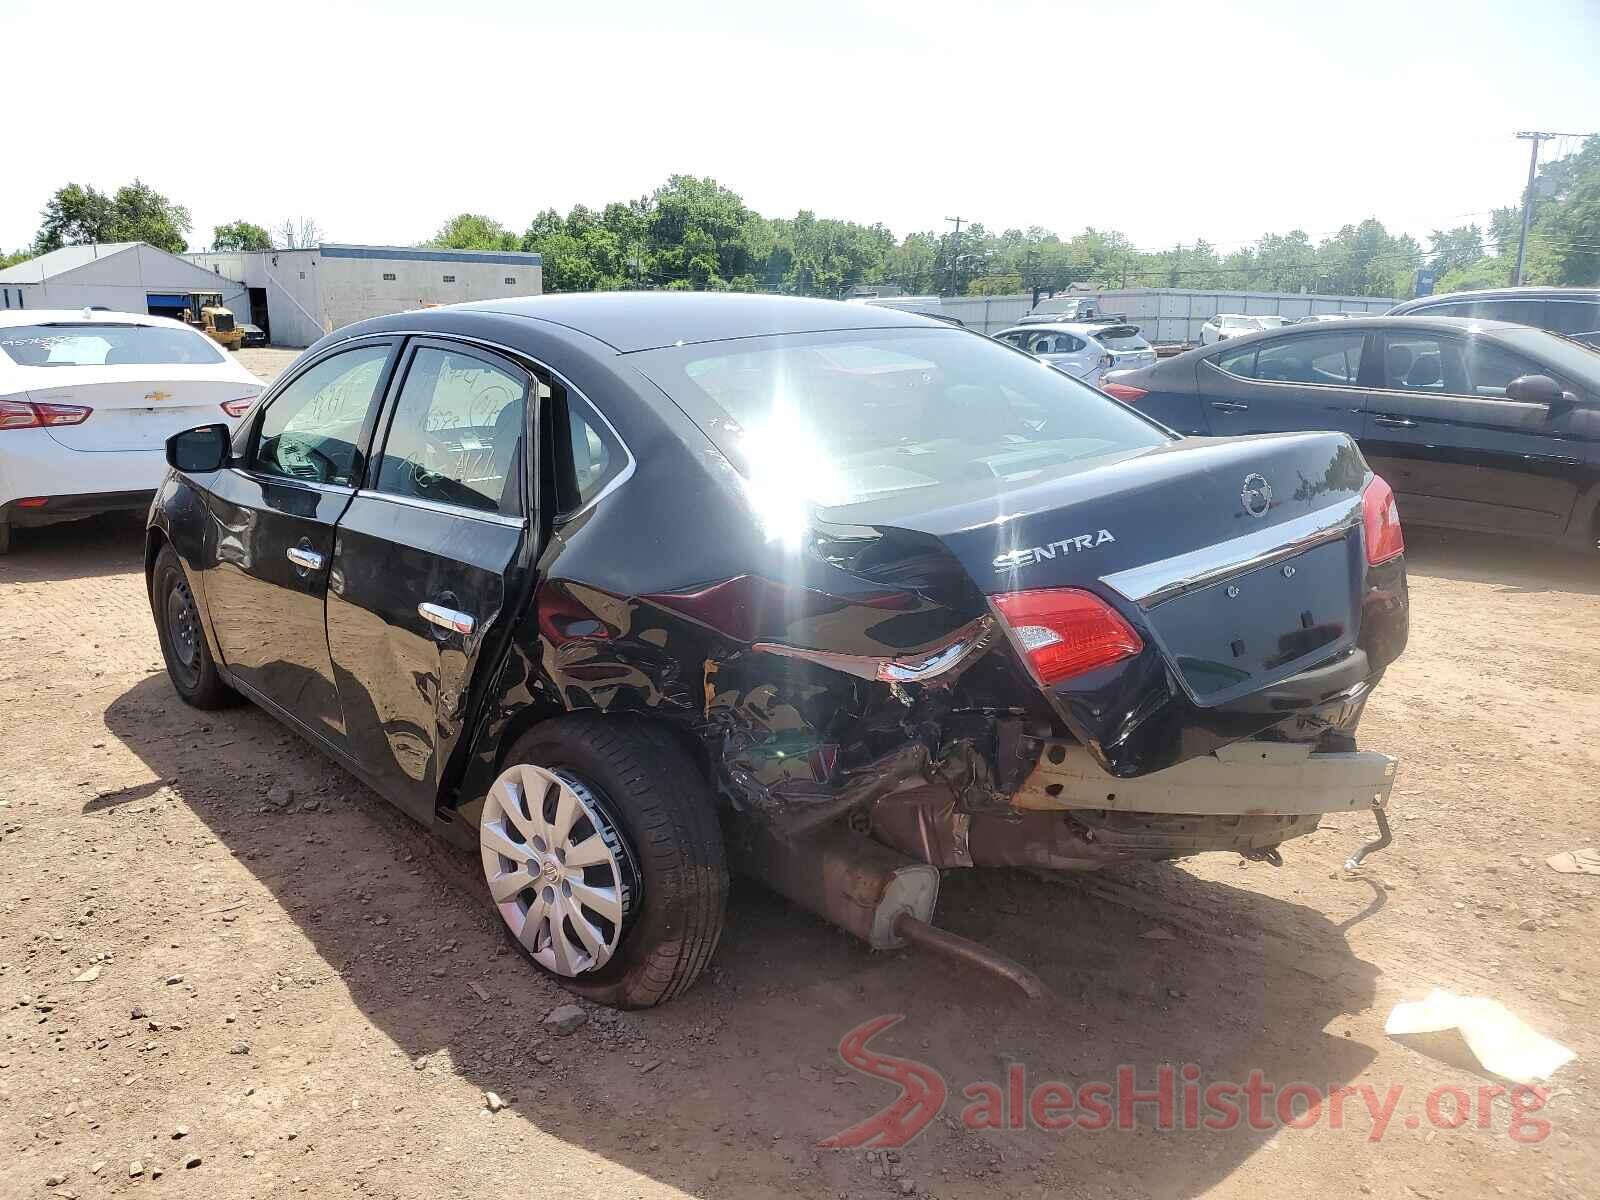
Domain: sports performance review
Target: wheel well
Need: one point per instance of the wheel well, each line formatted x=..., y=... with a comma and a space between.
x=532, y=715
x=153, y=543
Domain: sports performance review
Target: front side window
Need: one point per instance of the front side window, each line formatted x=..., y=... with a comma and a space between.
x=312, y=429
x=1490, y=369
x=1521, y=312
x=1419, y=362
x=457, y=433
x=86, y=344
x=832, y=419
x=1326, y=359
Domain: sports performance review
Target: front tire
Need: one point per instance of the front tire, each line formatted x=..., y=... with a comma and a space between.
x=616, y=810
x=190, y=666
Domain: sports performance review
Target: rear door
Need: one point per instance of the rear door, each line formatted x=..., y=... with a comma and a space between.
x=1290, y=383
x=429, y=560
x=274, y=520
x=1456, y=451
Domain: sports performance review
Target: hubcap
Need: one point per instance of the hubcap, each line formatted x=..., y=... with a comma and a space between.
x=183, y=628
x=557, y=867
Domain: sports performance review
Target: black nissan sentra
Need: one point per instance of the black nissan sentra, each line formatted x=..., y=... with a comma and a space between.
x=621, y=590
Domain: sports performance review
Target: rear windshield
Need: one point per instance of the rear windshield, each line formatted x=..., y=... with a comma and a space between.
x=839, y=418
x=1121, y=337
x=91, y=345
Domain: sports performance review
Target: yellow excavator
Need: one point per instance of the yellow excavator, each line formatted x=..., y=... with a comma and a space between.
x=207, y=313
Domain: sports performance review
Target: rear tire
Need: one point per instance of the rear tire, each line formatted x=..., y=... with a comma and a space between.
x=5, y=537
x=657, y=800
x=190, y=666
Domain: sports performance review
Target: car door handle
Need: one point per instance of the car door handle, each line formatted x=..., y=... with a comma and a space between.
x=1229, y=406
x=1394, y=422
x=305, y=558
x=448, y=619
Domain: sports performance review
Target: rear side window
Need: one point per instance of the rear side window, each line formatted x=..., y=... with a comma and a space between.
x=312, y=429
x=1522, y=312
x=1326, y=359
x=588, y=455
x=457, y=433
x=1054, y=343
x=95, y=345
x=1240, y=362
x=1574, y=318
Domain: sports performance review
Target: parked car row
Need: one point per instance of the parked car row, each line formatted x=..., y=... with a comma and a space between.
x=1083, y=349
x=1481, y=425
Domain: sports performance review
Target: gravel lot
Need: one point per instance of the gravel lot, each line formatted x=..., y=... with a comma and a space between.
x=216, y=947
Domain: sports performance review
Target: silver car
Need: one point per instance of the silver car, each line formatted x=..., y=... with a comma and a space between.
x=1229, y=325
x=1083, y=349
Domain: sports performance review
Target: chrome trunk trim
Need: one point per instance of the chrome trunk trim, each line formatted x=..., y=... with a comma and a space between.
x=1156, y=583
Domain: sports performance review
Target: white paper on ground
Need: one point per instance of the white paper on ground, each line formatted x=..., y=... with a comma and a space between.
x=1500, y=1040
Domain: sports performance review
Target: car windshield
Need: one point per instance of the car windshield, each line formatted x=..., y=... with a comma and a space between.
x=94, y=345
x=839, y=418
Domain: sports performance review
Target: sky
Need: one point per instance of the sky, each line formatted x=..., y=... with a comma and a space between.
x=1167, y=122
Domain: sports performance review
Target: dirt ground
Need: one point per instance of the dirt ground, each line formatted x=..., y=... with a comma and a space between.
x=217, y=947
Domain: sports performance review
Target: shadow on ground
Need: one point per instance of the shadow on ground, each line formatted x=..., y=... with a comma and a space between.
x=95, y=547
x=1148, y=967
x=1513, y=566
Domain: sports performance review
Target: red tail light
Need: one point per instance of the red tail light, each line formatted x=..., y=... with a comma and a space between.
x=19, y=414
x=238, y=408
x=1125, y=392
x=1065, y=632
x=1380, y=517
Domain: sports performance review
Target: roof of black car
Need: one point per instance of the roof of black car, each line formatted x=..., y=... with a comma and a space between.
x=1530, y=292
x=629, y=321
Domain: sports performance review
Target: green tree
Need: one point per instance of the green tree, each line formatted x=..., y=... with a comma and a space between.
x=474, y=231
x=75, y=215
x=240, y=235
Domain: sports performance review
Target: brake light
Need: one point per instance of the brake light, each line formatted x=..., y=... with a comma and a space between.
x=1066, y=632
x=20, y=414
x=1125, y=392
x=1380, y=519
x=238, y=408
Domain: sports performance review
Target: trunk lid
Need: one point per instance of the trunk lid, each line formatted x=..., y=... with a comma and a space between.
x=133, y=408
x=1239, y=560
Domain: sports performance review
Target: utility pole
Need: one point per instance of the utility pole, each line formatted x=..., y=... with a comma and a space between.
x=955, y=252
x=1527, y=202
x=1527, y=197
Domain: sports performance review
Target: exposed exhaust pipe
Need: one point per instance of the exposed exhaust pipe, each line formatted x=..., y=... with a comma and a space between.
x=865, y=888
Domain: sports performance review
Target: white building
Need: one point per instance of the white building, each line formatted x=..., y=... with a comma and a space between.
x=123, y=276
x=299, y=295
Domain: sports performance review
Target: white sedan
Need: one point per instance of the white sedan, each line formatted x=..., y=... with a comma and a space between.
x=87, y=401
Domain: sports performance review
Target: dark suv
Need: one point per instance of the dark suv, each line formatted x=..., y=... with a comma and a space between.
x=1571, y=312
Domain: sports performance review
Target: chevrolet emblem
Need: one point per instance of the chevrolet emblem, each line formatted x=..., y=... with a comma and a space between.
x=158, y=396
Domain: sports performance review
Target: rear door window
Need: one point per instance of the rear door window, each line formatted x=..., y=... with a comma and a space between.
x=1240, y=363
x=1322, y=359
x=1574, y=318
x=1521, y=312
x=312, y=430
x=457, y=433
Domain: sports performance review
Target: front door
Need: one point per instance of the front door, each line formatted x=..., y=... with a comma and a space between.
x=429, y=560
x=273, y=521
x=1289, y=383
x=1456, y=451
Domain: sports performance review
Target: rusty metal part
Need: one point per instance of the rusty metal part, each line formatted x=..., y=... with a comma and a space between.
x=847, y=878
x=953, y=946
x=924, y=823
x=1086, y=839
x=1247, y=777
x=908, y=765
x=1353, y=863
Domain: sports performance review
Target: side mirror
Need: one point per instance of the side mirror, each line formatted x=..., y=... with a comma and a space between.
x=1537, y=389
x=200, y=450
